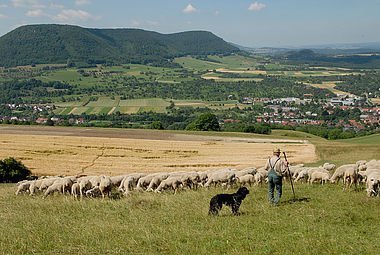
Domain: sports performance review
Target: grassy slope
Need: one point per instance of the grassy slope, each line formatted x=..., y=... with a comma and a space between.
x=331, y=222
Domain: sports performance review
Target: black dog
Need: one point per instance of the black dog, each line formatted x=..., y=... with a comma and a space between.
x=232, y=200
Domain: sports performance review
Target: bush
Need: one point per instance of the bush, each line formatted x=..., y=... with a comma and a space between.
x=205, y=122
x=12, y=170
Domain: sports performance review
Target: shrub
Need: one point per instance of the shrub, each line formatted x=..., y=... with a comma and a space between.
x=205, y=122
x=12, y=170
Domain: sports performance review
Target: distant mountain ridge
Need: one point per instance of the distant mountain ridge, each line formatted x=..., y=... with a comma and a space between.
x=52, y=43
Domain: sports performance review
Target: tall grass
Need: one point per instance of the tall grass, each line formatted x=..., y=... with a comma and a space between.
x=330, y=222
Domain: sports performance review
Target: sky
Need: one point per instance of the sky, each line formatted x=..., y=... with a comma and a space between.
x=251, y=23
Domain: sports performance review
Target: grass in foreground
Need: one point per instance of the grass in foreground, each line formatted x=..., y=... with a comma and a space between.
x=332, y=222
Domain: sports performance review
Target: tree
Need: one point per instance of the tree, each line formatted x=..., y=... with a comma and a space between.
x=12, y=170
x=156, y=125
x=205, y=122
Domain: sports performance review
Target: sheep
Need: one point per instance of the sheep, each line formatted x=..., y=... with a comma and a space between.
x=35, y=186
x=259, y=177
x=307, y=171
x=203, y=177
x=295, y=170
x=323, y=177
x=245, y=179
x=173, y=182
x=188, y=179
x=143, y=182
x=84, y=184
x=329, y=166
x=225, y=176
x=116, y=180
x=105, y=185
x=75, y=190
x=23, y=186
x=373, y=184
x=156, y=180
x=129, y=182
x=250, y=170
x=48, y=182
x=339, y=172
x=101, y=185
x=59, y=185
x=350, y=177
x=193, y=180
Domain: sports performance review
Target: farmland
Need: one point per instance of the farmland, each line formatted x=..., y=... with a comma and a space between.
x=70, y=151
x=107, y=83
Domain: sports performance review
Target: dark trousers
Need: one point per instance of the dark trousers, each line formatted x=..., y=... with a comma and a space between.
x=274, y=181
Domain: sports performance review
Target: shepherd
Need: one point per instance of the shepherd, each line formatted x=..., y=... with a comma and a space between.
x=276, y=168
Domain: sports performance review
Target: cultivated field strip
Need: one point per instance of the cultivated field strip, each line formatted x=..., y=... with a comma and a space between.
x=68, y=155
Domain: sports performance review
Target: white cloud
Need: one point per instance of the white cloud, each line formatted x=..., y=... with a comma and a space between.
x=2, y=16
x=189, y=9
x=31, y=4
x=68, y=15
x=3, y=6
x=82, y=2
x=256, y=6
x=216, y=13
x=35, y=13
x=55, y=6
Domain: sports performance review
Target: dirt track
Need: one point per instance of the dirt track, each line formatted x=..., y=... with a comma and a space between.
x=62, y=150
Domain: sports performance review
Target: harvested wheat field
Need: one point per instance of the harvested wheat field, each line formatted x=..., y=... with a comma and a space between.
x=69, y=151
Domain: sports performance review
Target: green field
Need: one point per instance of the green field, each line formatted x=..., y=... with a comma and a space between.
x=104, y=105
x=330, y=221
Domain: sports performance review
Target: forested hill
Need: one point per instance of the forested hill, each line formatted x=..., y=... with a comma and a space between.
x=39, y=44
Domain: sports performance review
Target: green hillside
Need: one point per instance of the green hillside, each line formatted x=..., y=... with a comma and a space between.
x=39, y=44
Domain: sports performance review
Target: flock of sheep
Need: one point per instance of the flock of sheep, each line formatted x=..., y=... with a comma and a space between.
x=101, y=186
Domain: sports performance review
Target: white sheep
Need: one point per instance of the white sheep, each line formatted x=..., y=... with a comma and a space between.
x=48, y=182
x=143, y=182
x=323, y=177
x=156, y=180
x=116, y=180
x=373, y=184
x=23, y=186
x=129, y=182
x=350, y=177
x=245, y=179
x=250, y=170
x=59, y=185
x=173, y=182
x=224, y=177
x=329, y=166
x=75, y=190
x=105, y=186
x=339, y=172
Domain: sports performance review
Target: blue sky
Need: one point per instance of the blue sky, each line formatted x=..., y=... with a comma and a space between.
x=245, y=22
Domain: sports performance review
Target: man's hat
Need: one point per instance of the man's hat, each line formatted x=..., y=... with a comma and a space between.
x=276, y=150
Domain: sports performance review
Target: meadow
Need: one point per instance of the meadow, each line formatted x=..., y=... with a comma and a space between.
x=322, y=220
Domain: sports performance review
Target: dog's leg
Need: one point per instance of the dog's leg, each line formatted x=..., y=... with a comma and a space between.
x=235, y=208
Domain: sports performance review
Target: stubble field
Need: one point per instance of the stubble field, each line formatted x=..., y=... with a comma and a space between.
x=71, y=151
